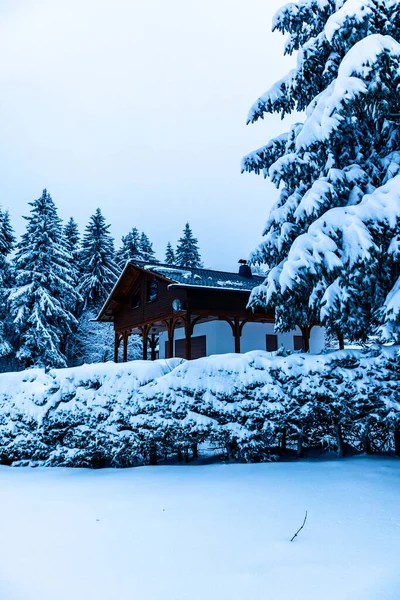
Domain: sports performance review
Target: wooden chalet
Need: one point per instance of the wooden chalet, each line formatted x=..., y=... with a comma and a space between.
x=152, y=298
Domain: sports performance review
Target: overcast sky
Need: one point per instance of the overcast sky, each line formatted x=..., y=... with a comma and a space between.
x=139, y=107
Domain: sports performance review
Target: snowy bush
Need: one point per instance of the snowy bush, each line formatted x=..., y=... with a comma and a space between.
x=251, y=407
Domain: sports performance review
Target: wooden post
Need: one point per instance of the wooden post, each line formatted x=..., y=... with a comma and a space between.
x=116, y=346
x=145, y=338
x=153, y=346
x=237, y=333
x=170, y=325
x=188, y=335
x=125, y=339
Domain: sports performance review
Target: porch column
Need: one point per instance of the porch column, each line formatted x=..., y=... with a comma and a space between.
x=237, y=328
x=125, y=339
x=170, y=325
x=145, y=339
x=116, y=345
x=237, y=333
x=188, y=337
x=153, y=345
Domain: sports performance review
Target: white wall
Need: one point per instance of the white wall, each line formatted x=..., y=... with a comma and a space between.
x=219, y=338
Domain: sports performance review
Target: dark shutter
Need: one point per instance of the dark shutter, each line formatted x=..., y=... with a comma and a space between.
x=199, y=347
x=272, y=342
x=180, y=348
x=166, y=351
x=298, y=342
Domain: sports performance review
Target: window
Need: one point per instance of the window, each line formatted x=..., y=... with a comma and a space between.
x=152, y=291
x=272, y=343
x=298, y=342
x=135, y=301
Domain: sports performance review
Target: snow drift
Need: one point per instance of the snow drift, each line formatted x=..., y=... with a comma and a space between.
x=252, y=407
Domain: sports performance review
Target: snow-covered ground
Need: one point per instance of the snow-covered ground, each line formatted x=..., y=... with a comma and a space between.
x=202, y=532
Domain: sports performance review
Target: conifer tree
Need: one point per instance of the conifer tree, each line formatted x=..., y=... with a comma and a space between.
x=187, y=251
x=7, y=243
x=331, y=243
x=169, y=255
x=72, y=240
x=99, y=271
x=146, y=249
x=44, y=290
x=130, y=249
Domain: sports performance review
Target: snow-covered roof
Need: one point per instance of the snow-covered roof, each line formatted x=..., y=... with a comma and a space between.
x=203, y=278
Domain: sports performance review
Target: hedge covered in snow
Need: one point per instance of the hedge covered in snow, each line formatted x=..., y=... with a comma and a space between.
x=250, y=406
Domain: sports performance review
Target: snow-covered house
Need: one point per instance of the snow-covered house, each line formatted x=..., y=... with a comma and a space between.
x=193, y=312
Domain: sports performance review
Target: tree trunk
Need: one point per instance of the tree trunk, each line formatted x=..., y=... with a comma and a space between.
x=300, y=445
x=195, y=451
x=340, y=340
x=339, y=440
x=283, y=440
x=397, y=439
x=179, y=455
x=306, y=332
x=153, y=455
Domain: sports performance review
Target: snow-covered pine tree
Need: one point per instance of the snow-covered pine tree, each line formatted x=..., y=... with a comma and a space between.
x=169, y=255
x=72, y=240
x=332, y=240
x=99, y=272
x=187, y=251
x=44, y=290
x=146, y=249
x=94, y=342
x=130, y=248
x=7, y=243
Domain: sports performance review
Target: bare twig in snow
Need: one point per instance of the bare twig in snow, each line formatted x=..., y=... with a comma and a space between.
x=298, y=531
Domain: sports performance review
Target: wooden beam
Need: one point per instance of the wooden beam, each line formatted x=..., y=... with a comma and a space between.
x=145, y=338
x=125, y=339
x=170, y=327
x=188, y=337
x=153, y=340
x=116, y=345
x=237, y=333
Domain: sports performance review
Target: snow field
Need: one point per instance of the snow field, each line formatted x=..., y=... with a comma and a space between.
x=190, y=533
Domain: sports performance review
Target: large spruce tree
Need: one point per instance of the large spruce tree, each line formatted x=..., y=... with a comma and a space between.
x=7, y=243
x=99, y=271
x=332, y=241
x=187, y=251
x=98, y=274
x=44, y=291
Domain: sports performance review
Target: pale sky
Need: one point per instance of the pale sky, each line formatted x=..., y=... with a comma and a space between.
x=139, y=108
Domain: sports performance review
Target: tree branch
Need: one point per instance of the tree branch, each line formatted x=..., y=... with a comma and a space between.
x=298, y=531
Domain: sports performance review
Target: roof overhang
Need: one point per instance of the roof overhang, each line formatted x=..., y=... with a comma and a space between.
x=106, y=313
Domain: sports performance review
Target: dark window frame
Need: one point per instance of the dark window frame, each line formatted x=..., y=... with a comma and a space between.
x=149, y=298
x=271, y=337
x=136, y=294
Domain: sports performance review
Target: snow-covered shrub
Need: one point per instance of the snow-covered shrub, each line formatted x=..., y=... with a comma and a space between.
x=252, y=407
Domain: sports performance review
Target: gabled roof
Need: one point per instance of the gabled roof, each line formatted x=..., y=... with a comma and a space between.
x=176, y=277
x=203, y=278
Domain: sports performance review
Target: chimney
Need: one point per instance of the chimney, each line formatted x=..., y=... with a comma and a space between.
x=245, y=269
